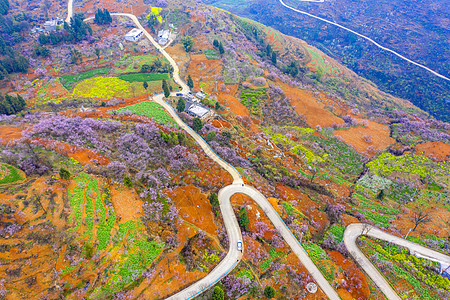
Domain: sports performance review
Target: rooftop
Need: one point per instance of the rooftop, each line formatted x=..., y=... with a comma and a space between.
x=134, y=32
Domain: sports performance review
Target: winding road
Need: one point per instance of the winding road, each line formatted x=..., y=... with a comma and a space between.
x=353, y=231
x=365, y=37
x=233, y=256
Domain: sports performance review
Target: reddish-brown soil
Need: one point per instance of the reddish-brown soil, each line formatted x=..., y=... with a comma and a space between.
x=437, y=151
x=294, y=262
x=127, y=204
x=347, y=219
x=233, y=104
x=180, y=56
x=82, y=155
x=194, y=207
x=379, y=135
x=201, y=69
x=439, y=225
x=221, y=124
x=308, y=106
x=201, y=43
x=255, y=214
x=355, y=285
x=8, y=135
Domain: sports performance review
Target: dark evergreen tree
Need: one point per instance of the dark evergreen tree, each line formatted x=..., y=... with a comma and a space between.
x=197, y=124
x=165, y=88
x=268, y=50
x=11, y=104
x=216, y=43
x=64, y=174
x=181, y=105
x=243, y=218
x=190, y=82
x=274, y=58
x=269, y=292
x=221, y=50
x=213, y=200
x=4, y=7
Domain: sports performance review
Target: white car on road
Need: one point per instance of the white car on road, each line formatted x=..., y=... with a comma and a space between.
x=239, y=245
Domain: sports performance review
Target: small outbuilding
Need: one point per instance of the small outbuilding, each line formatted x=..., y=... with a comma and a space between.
x=200, y=95
x=134, y=35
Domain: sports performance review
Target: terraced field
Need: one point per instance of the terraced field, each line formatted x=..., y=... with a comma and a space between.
x=317, y=62
x=9, y=174
x=148, y=109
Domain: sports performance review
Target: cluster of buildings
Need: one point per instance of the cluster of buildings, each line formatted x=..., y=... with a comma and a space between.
x=194, y=107
x=49, y=26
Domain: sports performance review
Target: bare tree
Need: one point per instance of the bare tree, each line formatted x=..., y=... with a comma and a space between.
x=420, y=217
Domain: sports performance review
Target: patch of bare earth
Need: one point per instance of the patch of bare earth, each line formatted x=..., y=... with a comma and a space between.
x=127, y=204
x=437, y=151
x=375, y=135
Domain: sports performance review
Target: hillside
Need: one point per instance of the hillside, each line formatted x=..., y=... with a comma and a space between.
x=402, y=26
x=104, y=195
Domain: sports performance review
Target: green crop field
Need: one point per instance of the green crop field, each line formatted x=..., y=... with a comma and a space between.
x=129, y=63
x=68, y=81
x=141, y=77
x=211, y=54
x=149, y=109
x=9, y=174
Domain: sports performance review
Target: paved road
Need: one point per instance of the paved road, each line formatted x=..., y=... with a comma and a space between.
x=353, y=231
x=234, y=234
x=367, y=38
x=69, y=11
x=231, y=224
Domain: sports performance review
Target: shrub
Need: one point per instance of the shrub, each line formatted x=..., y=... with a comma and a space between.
x=269, y=292
x=218, y=293
x=127, y=182
x=197, y=124
x=243, y=218
x=213, y=200
x=64, y=174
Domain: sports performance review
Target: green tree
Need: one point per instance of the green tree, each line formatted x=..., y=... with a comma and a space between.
x=43, y=39
x=145, y=85
x=213, y=200
x=269, y=292
x=41, y=51
x=165, y=88
x=218, y=293
x=188, y=43
x=102, y=17
x=380, y=195
x=218, y=106
x=127, y=182
x=97, y=52
x=181, y=105
x=226, y=134
x=190, y=82
x=197, y=124
x=268, y=50
x=216, y=43
x=64, y=174
x=221, y=50
x=243, y=218
x=274, y=58
x=211, y=136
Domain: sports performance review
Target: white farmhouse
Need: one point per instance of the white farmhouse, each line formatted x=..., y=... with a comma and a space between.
x=133, y=35
x=163, y=37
